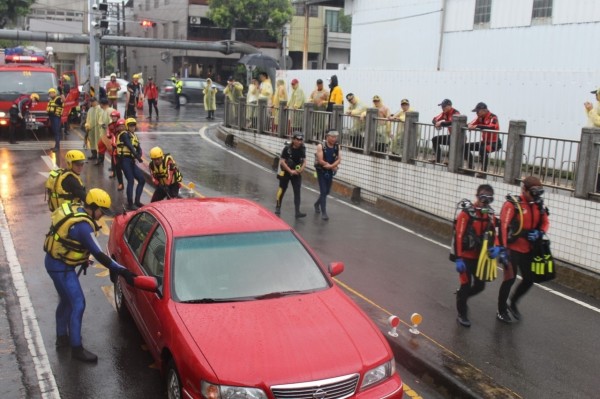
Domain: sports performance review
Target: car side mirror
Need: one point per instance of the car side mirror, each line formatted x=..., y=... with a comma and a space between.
x=335, y=268
x=146, y=283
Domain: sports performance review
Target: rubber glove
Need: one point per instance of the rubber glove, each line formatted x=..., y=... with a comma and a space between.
x=127, y=275
x=534, y=235
x=495, y=251
x=460, y=265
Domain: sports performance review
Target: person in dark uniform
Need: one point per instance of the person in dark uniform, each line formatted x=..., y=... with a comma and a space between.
x=55, y=110
x=327, y=162
x=134, y=94
x=292, y=163
x=18, y=113
x=69, y=244
x=128, y=151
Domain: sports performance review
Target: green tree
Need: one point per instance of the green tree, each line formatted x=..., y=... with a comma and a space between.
x=345, y=22
x=258, y=14
x=11, y=9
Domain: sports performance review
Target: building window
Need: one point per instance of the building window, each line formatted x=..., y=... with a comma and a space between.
x=156, y=4
x=313, y=11
x=147, y=5
x=541, y=9
x=331, y=19
x=165, y=30
x=175, y=29
x=483, y=11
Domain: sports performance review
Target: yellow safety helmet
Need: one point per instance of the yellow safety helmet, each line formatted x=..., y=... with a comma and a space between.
x=51, y=90
x=136, y=76
x=98, y=197
x=34, y=97
x=73, y=156
x=130, y=121
x=66, y=78
x=156, y=152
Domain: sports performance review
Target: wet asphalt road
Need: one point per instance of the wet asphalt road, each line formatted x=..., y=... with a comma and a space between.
x=552, y=352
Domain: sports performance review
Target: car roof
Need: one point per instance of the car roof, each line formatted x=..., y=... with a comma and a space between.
x=210, y=216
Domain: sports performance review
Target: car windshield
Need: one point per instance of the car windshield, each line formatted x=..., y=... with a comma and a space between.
x=26, y=82
x=246, y=266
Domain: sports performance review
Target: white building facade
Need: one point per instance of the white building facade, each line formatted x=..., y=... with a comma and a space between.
x=534, y=60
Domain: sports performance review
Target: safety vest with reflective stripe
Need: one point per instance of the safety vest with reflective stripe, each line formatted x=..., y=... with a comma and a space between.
x=55, y=191
x=161, y=172
x=58, y=244
x=122, y=149
x=53, y=107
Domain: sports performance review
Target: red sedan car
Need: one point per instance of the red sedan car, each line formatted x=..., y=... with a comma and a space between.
x=243, y=308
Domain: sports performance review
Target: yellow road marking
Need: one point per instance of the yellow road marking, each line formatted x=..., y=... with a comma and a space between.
x=410, y=392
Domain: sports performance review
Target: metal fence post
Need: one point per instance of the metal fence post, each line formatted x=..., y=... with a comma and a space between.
x=241, y=116
x=282, y=119
x=307, y=120
x=514, y=151
x=336, y=118
x=227, y=112
x=587, y=162
x=260, y=121
x=370, y=130
x=457, y=143
x=410, y=142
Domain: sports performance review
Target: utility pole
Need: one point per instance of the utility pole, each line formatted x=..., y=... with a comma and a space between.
x=285, y=48
x=119, y=61
x=305, y=49
x=94, y=47
x=124, y=70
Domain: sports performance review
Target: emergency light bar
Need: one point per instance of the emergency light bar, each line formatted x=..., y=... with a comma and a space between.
x=25, y=59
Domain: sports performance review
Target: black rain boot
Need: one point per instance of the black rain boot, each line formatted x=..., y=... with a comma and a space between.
x=100, y=160
x=82, y=354
x=94, y=155
x=62, y=341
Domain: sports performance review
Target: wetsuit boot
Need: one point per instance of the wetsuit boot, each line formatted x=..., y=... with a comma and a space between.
x=82, y=354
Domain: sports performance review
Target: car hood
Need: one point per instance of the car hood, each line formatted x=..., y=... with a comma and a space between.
x=284, y=340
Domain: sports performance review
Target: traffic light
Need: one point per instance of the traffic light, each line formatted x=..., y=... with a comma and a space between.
x=147, y=23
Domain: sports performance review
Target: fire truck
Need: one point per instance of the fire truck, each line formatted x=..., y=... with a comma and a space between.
x=23, y=73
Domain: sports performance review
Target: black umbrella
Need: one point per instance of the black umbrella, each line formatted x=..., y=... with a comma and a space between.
x=259, y=61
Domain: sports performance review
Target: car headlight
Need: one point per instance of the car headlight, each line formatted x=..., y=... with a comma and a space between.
x=214, y=391
x=379, y=373
x=2, y=114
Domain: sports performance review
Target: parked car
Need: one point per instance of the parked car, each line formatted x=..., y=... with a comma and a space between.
x=192, y=91
x=243, y=307
x=122, y=82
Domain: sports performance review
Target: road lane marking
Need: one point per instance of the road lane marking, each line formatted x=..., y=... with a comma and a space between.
x=203, y=135
x=33, y=335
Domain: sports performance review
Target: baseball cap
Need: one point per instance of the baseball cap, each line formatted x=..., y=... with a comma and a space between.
x=349, y=96
x=319, y=81
x=333, y=133
x=479, y=106
x=294, y=81
x=376, y=98
x=298, y=135
x=150, y=78
x=595, y=91
x=404, y=101
x=230, y=79
x=445, y=103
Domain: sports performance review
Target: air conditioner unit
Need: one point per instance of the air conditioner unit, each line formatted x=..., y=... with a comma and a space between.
x=194, y=21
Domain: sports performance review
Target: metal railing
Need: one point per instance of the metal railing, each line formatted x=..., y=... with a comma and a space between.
x=569, y=165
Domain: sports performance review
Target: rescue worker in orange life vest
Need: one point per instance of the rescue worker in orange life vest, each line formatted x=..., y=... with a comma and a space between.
x=68, y=186
x=477, y=219
x=69, y=243
x=165, y=175
x=535, y=224
x=55, y=109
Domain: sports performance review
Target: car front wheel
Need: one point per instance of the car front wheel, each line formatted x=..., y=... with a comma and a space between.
x=120, y=304
x=173, y=381
x=183, y=100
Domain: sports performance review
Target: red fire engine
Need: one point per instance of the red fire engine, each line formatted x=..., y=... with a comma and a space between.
x=27, y=74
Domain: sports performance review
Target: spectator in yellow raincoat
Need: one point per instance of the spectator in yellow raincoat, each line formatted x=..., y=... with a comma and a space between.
x=296, y=103
x=279, y=95
x=398, y=134
x=210, y=99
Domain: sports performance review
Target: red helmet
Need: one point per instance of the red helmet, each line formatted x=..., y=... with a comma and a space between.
x=115, y=114
x=121, y=124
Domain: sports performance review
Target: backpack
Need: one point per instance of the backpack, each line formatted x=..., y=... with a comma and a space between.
x=471, y=240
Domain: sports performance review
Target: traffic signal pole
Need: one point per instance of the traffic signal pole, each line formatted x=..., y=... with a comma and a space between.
x=94, y=48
